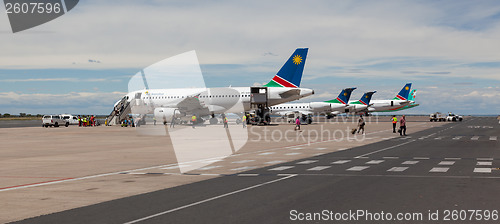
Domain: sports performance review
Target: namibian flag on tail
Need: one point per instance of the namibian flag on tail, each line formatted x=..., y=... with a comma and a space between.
x=343, y=97
x=365, y=99
x=404, y=93
x=291, y=73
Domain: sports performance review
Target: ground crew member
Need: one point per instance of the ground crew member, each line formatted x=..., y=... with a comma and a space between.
x=154, y=121
x=79, y=121
x=361, y=124
x=394, y=123
x=225, y=122
x=402, y=126
x=193, y=120
x=244, y=120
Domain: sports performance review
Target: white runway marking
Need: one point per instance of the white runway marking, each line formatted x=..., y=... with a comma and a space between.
x=390, y=157
x=480, y=163
x=298, y=148
x=475, y=138
x=482, y=170
x=320, y=148
x=397, y=169
x=493, y=138
x=244, y=168
x=248, y=174
x=489, y=159
x=446, y=163
x=410, y=162
x=439, y=170
x=375, y=162
x=266, y=153
x=457, y=138
x=175, y=167
x=452, y=158
x=318, y=168
x=207, y=200
x=274, y=162
x=421, y=158
x=307, y=161
x=341, y=162
x=209, y=167
x=293, y=153
x=280, y=168
x=243, y=161
x=439, y=138
x=358, y=168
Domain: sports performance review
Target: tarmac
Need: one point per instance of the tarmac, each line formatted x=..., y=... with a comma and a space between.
x=78, y=171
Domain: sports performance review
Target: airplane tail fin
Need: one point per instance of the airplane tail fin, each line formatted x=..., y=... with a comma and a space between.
x=365, y=99
x=404, y=93
x=343, y=97
x=290, y=74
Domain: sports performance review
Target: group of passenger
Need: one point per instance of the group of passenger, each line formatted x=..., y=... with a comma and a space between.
x=87, y=121
x=128, y=122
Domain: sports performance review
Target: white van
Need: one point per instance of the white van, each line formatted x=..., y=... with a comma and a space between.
x=70, y=118
x=53, y=121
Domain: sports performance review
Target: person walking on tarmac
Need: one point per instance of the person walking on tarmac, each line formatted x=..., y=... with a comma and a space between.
x=244, y=120
x=193, y=120
x=402, y=126
x=394, y=123
x=297, y=124
x=225, y=121
x=79, y=121
x=361, y=124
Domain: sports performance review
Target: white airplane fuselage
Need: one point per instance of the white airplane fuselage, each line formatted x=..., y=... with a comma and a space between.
x=383, y=105
x=214, y=100
x=308, y=108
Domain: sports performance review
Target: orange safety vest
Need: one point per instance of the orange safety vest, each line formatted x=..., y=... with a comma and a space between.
x=394, y=120
x=193, y=118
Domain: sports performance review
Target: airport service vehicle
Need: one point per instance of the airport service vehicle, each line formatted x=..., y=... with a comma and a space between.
x=70, y=118
x=53, y=121
x=437, y=117
x=168, y=105
x=329, y=108
x=361, y=106
x=397, y=103
x=454, y=117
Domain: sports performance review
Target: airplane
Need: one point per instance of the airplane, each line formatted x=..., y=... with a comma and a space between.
x=362, y=104
x=169, y=104
x=412, y=103
x=329, y=108
x=398, y=102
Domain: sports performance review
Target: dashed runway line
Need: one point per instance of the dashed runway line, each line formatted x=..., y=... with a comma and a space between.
x=358, y=168
x=397, y=169
x=307, y=161
x=243, y=161
x=410, y=162
x=293, y=154
x=482, y=163
x=375, y=162
x=318, y=168
x=341, y=161
x=446, y=163
x=475, y=138
x=439, y=170
x=281, y=168
x=482, y=170
x=493, y=138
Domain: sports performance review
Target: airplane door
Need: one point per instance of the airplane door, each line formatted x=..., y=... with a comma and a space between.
x=392, y=103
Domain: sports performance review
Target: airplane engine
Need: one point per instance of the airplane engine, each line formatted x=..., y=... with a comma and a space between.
x=319, y=105
x=166, y=114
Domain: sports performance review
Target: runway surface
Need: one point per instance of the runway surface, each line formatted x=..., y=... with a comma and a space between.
x=454, y=167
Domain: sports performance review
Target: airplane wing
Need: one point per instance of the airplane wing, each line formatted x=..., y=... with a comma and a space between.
x=190, y=104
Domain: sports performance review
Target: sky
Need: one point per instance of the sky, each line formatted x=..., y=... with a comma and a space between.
x=81, y=62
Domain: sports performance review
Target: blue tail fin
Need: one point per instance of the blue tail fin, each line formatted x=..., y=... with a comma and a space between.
x=365, y=99
x=290, y=74
x=404, y=93
x=343, y=97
